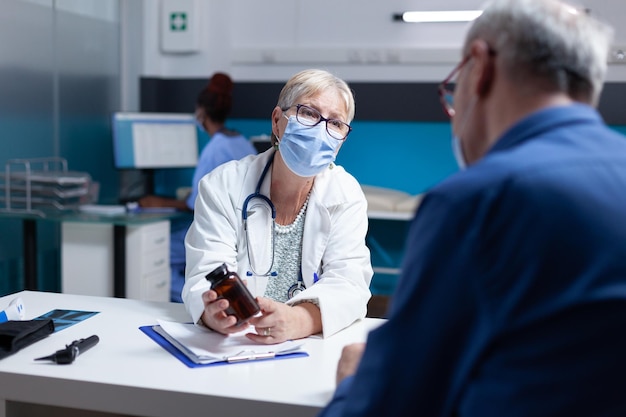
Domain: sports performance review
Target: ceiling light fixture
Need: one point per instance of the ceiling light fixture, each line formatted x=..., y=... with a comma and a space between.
x=437, y=16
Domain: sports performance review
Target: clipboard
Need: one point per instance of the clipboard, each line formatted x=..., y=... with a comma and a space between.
x=152, y=333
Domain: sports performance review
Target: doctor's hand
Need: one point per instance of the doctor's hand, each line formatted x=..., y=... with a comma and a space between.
x=215, y=317
x=280, y=322
x=349, y=362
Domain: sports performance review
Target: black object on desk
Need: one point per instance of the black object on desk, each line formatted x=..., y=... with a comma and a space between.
x=71, y=351
x=17, y=334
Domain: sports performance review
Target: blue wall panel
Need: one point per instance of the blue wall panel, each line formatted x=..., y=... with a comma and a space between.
x=406, y=156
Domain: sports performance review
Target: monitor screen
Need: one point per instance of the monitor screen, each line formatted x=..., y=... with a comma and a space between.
x=261, y=143
x=154, y=140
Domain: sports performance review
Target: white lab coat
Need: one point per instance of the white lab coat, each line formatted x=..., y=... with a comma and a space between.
x=333, y=243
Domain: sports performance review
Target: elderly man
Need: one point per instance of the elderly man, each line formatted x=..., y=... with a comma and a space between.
x=512, y=300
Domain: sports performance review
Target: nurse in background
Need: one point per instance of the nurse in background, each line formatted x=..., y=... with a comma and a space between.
x=213, y=106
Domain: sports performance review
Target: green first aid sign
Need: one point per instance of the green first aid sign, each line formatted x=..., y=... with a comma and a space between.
x=178, y=21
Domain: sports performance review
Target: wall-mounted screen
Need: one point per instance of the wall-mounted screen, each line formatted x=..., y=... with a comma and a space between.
x=261, y=143
x=154, y=140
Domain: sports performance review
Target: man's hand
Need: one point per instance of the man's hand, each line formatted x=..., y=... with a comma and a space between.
x=349, y=361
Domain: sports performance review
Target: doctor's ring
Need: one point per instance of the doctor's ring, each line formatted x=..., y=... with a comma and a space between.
x=267, y=331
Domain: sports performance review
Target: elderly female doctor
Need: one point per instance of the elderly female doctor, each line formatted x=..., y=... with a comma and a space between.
x=308, y=266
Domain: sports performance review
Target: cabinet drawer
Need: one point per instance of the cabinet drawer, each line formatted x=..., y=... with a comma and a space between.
x=156, y=286
x=155, y=239
x=155, y=260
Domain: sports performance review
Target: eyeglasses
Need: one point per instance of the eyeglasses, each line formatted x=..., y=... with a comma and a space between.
x=446, y=88
x=308, y=116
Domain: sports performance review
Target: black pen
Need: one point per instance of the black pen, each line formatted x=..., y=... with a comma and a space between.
x=71, y=351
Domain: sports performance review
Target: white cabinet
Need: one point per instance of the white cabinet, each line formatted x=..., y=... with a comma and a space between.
x=87, y=260
x=148, y=261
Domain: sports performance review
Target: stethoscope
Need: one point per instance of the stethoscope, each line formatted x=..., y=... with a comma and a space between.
x=298, y=286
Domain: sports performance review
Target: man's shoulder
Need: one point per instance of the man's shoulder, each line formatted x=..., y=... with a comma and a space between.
x=550, y=165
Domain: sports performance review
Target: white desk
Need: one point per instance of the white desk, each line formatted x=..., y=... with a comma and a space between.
x=128, y=373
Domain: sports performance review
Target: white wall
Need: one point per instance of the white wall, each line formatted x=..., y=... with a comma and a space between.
x=102, y=10
x=269, y=40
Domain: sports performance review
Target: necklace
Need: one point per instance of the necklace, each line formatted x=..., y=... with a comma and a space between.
x=279, y=228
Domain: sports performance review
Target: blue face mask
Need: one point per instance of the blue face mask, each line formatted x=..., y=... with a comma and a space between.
x=458, y=152
x=200, y=126
x=307, y=150
x=457, y=148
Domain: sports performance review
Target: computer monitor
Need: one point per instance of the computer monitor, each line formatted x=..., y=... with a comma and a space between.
x=154, y=140
x=261, y=143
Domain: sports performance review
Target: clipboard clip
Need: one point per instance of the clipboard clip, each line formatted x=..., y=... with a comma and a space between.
x=252, y=356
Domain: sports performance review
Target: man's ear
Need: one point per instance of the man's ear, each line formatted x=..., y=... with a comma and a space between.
x=484, y=65
x=486, y=80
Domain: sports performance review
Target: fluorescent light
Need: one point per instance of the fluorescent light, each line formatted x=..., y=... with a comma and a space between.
x=439, y=16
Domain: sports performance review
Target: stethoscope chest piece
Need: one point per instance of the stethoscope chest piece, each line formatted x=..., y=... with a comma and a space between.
x=295, y=289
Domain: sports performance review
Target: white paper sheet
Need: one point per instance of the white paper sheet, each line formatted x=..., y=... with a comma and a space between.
x=202, y=345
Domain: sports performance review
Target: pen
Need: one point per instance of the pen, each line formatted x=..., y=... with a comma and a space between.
x=251, y=357
x=315, y=277
x=71, y=351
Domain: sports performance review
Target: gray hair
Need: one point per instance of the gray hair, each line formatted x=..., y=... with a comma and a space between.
x=547, y=41
x=310, y=82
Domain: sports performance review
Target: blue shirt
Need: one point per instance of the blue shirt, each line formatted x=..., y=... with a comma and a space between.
x=512, y=300
x=224, y=146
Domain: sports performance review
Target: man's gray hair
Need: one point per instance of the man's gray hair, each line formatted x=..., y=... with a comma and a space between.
x=548, y=43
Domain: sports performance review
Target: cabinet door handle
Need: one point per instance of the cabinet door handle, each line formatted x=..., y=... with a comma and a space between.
x=159, y=262
x=159, y=241
x=161, y=284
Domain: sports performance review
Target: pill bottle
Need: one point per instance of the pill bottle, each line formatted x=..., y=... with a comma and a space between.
x=228, y=285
